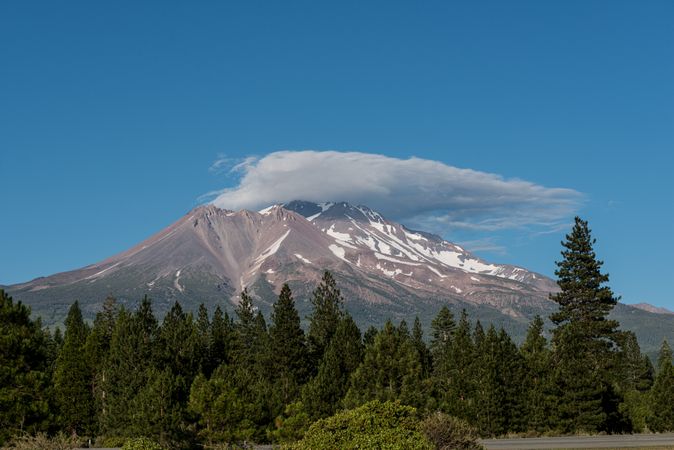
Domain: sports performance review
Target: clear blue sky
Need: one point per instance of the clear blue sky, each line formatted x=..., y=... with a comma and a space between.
x=110, y=116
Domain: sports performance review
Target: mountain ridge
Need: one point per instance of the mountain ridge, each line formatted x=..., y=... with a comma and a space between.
x=385, y=269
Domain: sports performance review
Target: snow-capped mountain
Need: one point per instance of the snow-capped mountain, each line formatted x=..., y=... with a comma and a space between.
x=384, y=269
x=364, y=238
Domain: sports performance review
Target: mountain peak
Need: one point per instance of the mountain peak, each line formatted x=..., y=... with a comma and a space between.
x=334, y=210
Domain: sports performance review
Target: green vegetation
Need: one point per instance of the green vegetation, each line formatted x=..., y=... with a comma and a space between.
x=372, y=426
x=216, y=381
x=141, y=444
x=41, y=441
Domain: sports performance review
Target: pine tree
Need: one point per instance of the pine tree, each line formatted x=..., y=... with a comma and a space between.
x=442, y=327
x=203, y=341
x=246, y=332
x=97, y=348
x=252, y=368
x=422, y=349
x=370, y=334
x=323, y=395
x=584, y=300
x=327, y=304
x=73, y=377
x=177, y=344
x=662, y=394
x=584, y=339
x=459, y=398
x=536, y=356
x=222, y=414
x=390, y=371
x=158, y=412
x=132, y=354
x=221, y=341
x=634, y=370
x=498, y=371
x=288, y=348
x=24, y=372
x=488, y=390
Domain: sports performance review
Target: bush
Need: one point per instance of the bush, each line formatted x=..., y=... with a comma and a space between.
x=110, y=441
x=141, y=444
x=374, y=425
x=291, y=425
x=448, y=433
x=43, y=442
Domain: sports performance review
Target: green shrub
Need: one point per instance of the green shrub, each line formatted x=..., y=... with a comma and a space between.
x=291, y=425
x=141, y=444
x=43, y=442
x=449, y=433
x=110, y=441
x=374, y=425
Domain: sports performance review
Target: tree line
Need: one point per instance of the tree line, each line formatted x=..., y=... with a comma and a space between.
x=206, y=379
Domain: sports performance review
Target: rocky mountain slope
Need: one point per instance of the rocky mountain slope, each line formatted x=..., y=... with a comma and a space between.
x=384, y=269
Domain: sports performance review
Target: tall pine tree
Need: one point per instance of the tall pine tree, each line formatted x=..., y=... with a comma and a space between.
x=327, y=304
x=662, y=394
x=323, y=395
x=391, y=370
x=536, y=355
x=584, y=339
x=24, y=371
x=73, y=377
x=288, y=347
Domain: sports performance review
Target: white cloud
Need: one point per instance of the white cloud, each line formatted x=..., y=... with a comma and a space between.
x=428, y=194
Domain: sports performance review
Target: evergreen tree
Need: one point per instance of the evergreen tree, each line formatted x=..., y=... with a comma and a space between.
x=252, y=369
x=72, y=377
x=323, y=395
x=370, y=334
x=390, y=371
x=221, y=412
x=512, y=372
x=442, y=327
x=177, y=344
x=662, y=394
x=246, y=331
x=584, y=339
x=158, y=409
x=459, y=398
x=203, y=341
x=288, y=348
x=489, y=392
x=24, y=372
x=584, y=300
x=634, y=370
x=536, y=356
x=221, y=340
x=132, y=351
x=422, y=349
x=96, y=350
x=498, y=370
x=327, y=304
x=478, y=335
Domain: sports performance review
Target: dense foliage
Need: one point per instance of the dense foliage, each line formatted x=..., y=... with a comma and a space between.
x=214, y=379
x=374, y=425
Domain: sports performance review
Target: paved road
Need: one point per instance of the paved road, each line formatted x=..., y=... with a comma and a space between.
x=634, y=440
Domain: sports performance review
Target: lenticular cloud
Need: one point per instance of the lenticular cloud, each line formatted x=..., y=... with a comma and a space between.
x=418, y=191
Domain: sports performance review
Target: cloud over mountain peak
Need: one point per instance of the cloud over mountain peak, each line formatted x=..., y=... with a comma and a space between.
x=414, y=190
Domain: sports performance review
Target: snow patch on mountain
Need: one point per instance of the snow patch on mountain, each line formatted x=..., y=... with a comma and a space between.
x=302, y=258
x=338, y=252
x=272, y=249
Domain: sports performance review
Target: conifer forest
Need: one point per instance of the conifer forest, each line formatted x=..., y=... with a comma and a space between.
x=209, y=379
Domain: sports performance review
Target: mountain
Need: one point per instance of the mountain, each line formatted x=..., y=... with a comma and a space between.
x=652, y=308
x=384, y=270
